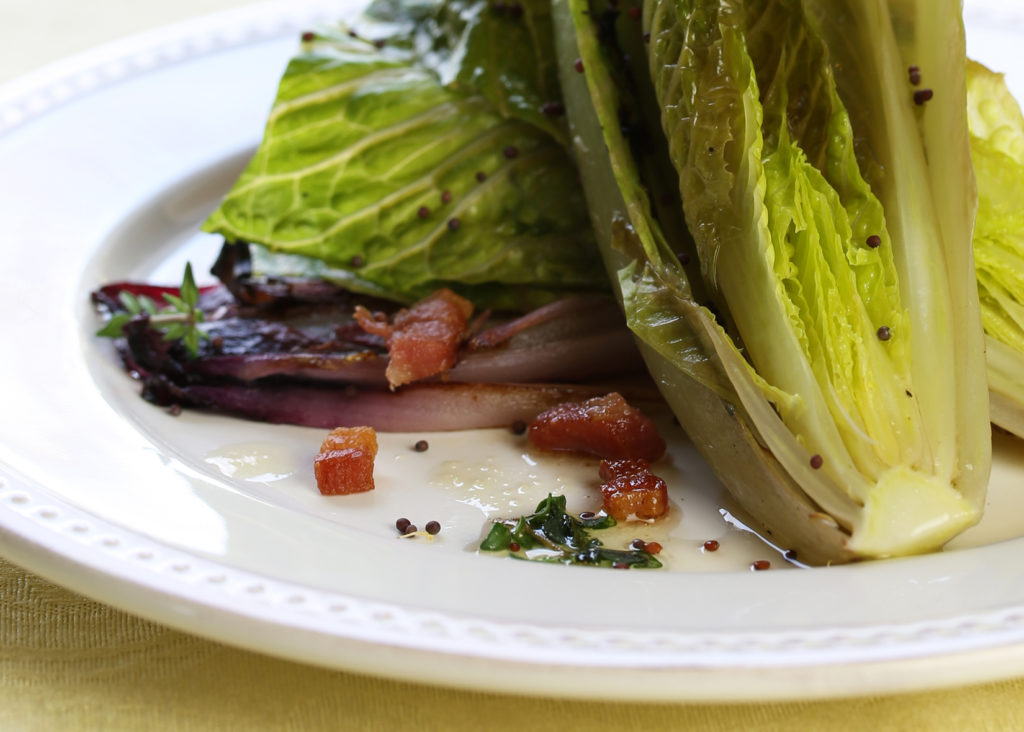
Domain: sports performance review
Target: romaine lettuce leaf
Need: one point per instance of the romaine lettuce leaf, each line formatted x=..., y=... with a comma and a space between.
x=806, y=228
x=997, y=146
x=418, y=149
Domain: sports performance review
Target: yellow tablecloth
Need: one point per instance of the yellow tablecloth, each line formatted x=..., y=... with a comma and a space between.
x=69, y=663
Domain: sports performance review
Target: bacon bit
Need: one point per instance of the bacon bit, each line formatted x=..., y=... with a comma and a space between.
x=631, y=490
x=345, y=462
x=604, y=426
x=423, y=340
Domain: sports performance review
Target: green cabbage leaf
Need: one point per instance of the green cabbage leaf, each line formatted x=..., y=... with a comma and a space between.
x=416, y=148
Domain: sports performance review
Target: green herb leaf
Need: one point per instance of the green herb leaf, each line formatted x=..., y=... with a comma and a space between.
x=178, y=320
x=498, y=539
x=130, y=302
x=189, y=291
x=148, y=305
x=112, y=328
x=550, y=534
x=176, y=302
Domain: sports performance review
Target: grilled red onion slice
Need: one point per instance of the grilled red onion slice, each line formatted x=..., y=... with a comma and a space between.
x=290, y=351
x=418, y=407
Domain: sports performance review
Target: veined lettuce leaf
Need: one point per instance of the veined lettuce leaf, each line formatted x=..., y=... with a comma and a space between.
x=843, y=443
x=997, y=146
x=415, y=152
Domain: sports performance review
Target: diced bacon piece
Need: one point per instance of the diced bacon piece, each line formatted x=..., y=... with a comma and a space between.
x=604, y=426
x=632, y=491
x=612, y=469
x=423, y=340
x=345, y=462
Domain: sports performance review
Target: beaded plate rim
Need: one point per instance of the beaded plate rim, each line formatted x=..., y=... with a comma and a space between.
x=69, y=545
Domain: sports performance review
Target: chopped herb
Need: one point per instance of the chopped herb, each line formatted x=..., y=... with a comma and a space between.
x=550, y=534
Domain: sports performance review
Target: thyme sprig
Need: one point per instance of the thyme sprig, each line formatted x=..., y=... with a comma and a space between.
x=178, y=320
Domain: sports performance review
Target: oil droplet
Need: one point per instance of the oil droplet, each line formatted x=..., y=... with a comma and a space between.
x=261, y=462
x=493, y=488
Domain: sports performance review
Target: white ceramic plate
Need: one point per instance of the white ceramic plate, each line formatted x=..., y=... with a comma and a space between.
x=109, y=164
